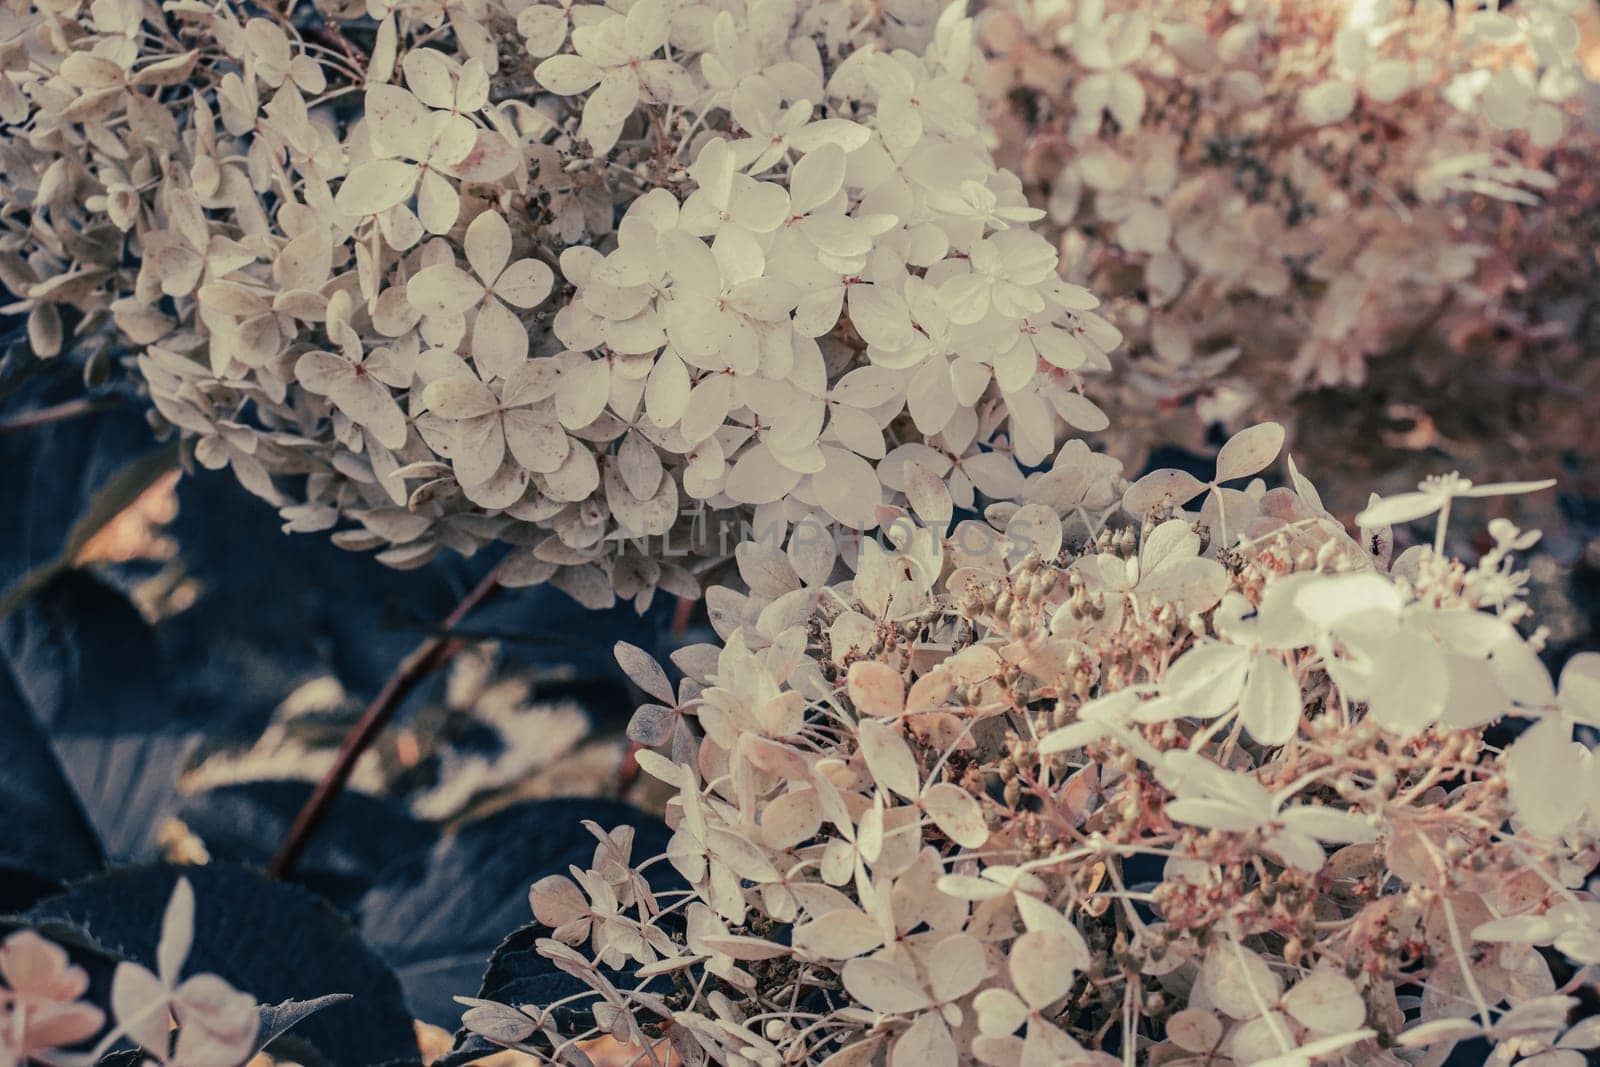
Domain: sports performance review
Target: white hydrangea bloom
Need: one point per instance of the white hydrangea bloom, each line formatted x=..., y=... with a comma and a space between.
x=1272, y=201
x=656, y=258
x=1145, y=791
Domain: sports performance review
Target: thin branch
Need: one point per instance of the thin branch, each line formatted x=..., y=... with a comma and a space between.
x=71, y=409
x=428, y=657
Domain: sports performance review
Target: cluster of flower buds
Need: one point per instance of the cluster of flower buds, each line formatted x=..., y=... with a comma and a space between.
x=566, y=277
x=1181, y=786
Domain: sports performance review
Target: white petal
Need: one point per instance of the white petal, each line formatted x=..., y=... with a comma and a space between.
x=666, y=392
x=488, y=245
x=888, y=757
x=707, y=407
x=459, y=396
x=1414, y=684
x=544, y=29
x=666, y=82
x=369, y=404
x=499, y=340
x=375, y=186
x=926, y=1044
x=928, y=495
x=577, y=477
x=581, y=397
x=880, y=316
x=639, y=464
x=1326, y=1002
x=396, y=121
x=1270, y=705
x=477, y=448
x=876, y=689
x=883, y=986
x=567, y=75
x=323, y=372
x=1211, y=814
x=1149, y=492
x=815, y=179
x=839, y=934
x=759, y=207
x=525, y=283
x=758, y=478
x=1043, y=965
x=1207, y=679
x=956, y=814
x=607, y=108
x=536, y=440
x=1329, y=824
x=1402, y=507
x=645, y=28
x=443, y=290
x=428, y=75
x=1249, y=451
x=1542, y=768
x=848, y=488
x=438, y=203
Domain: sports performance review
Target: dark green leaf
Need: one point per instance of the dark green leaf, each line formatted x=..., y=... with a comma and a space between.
x=94, y=677
x=51, y=841
x=245, y=823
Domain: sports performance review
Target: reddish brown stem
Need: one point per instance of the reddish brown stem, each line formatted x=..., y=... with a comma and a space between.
x=427, y=658
x=682, y=615
x=628, y=772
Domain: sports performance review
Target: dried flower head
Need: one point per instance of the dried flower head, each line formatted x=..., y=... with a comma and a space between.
x=565, y=277
x=1281, y=202
x=1027, y=791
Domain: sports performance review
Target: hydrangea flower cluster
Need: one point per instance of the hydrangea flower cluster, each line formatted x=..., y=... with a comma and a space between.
x=1136, y=785
x=553, y=275
x=44, y=1017
x=1269, y=196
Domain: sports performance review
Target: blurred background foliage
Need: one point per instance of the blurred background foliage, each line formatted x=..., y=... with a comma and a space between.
x=1497, y=377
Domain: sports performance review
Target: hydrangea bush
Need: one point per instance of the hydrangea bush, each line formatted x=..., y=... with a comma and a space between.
x=1030, y=791
x=1001, y=757
x=560, y=276
x=1279, y=198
